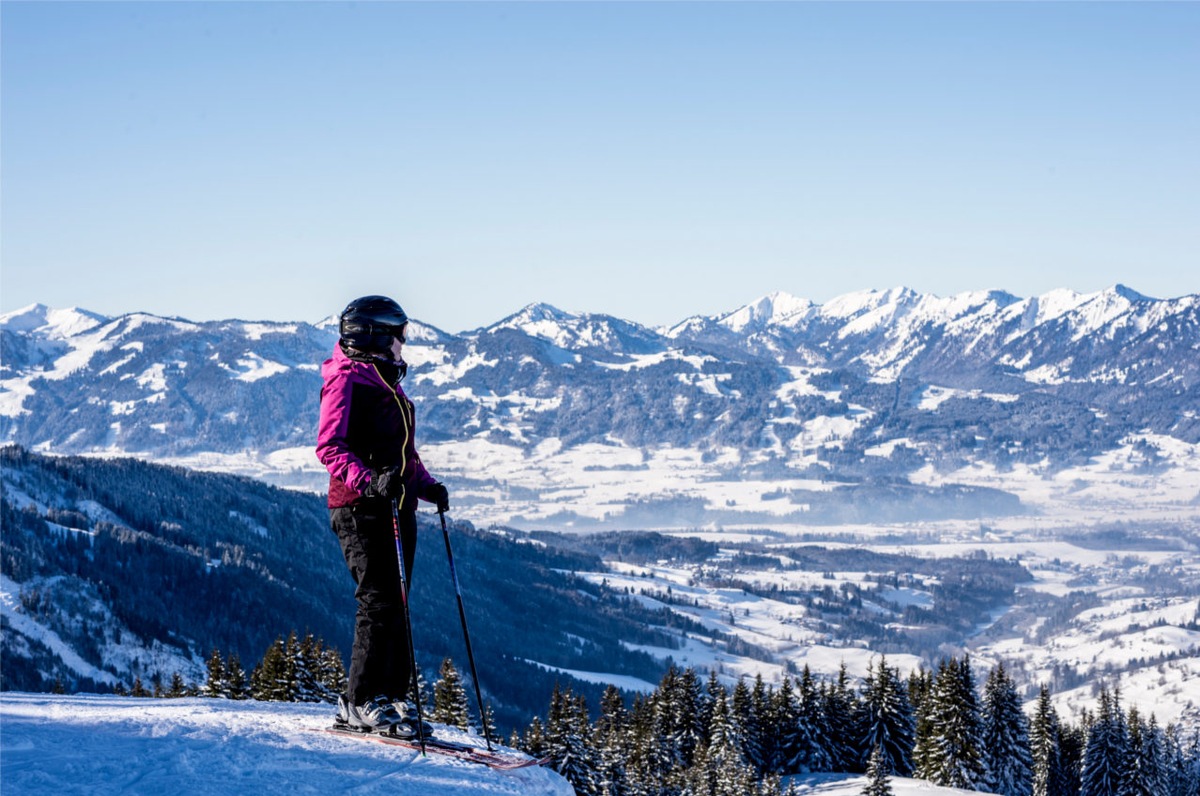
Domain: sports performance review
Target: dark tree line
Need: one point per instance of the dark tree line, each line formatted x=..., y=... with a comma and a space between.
x=694, y=738
x=304, y=669
x=295, y=669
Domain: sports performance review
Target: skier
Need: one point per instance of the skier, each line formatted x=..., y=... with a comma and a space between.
x=365, y=440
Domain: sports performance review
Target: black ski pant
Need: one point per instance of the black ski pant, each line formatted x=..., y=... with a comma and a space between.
x=380, y=658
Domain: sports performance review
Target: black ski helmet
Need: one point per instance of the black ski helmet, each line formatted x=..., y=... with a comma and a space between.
x=369, y=323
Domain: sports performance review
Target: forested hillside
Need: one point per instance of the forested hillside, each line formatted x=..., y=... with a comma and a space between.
x=692, y=736
x=119, y=569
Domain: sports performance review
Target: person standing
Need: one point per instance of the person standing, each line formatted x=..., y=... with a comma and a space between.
x=365, y=439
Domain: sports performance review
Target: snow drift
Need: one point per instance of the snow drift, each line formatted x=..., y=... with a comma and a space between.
x=209, y=747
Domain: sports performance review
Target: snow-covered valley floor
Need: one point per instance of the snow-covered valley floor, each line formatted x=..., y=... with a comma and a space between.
x=95, y=745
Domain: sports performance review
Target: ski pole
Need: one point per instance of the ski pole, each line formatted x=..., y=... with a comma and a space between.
x=462, y=615
x=412, y=651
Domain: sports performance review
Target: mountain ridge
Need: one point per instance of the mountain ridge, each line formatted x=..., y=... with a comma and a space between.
x=843, y=301
x=781, y=386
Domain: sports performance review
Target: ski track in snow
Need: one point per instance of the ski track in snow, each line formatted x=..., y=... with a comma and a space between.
x=97, y=745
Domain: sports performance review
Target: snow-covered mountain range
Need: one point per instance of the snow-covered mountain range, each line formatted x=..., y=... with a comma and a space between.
x=783, y=411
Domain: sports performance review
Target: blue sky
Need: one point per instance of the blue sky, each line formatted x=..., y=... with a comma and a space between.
x=648, y=160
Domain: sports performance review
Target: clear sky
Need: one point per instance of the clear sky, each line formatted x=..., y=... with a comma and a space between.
x=648, y=160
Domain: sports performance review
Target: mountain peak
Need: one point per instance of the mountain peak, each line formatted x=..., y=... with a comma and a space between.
x=51, y=322
x=25, y=319
x=774, y=309
x=537, y=312
x=543, y=311
x=852, y=305
x=1099, y=306
x=1127, y=293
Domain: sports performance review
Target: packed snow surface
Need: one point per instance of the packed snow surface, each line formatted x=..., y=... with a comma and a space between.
x=99, y=745
x=853, y=785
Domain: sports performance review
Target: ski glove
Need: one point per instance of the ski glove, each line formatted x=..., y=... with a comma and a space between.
x=386, y=483
x=438, y=495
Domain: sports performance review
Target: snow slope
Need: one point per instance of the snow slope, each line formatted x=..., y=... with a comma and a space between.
x=853, y=784
x=95, y=745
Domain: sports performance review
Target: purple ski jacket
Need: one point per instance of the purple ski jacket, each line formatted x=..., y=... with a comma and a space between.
x=366, y=424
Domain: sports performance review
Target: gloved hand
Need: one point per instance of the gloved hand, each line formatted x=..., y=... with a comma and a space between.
x=438, y=495
x=385, y=483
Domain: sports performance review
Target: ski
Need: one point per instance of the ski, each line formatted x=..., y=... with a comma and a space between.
x=497, y=760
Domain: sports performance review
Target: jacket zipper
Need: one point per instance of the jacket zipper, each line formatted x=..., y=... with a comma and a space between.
x=405, y=418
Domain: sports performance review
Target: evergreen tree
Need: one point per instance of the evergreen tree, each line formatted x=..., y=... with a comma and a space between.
x=611, y=741
x=791, y=746
x=951, y=754
x=1104, y=754
x=489, y=721
x=1046, y=756
x=722, y=769
x=925, y=743
x=138, y=689
x=1006, y=754
x=1071, y=743
x=712, y=687
x=645, y=763
x=1154, y=756
x=235, y=677
x=814, y=726
x=1182, y=758
x=656, y=756
x=321, y=675
x=534, y=742
x=273, y=679
x=568, y=741
x=711, y=777
x=304, y=657
x=216, y=686
x=886, y=719
x=765, y=731
x=749, y=729
x=420, y=691
x=178, y=688
x=840, y=706
x=724, y=734
x=331, y=672
x=450, y=697
x=686, y=714
x=766, y=706
x=920, y=683
x=772, y=785
x=289, y=685
x=878, y=774
x=1145, y=769
x=676, y=705
x=1131, y=759
x=588, y=753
